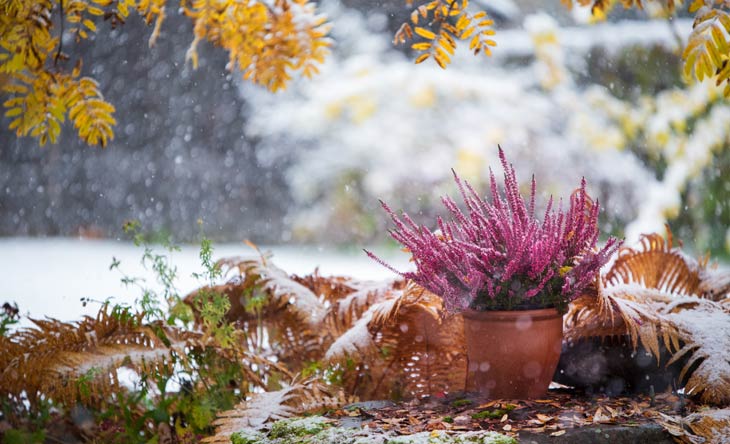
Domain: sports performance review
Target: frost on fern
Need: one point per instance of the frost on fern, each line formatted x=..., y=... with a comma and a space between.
x=658, y=295
x=69, y=363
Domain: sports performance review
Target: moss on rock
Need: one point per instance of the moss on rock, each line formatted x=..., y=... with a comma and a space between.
x=440, y=437
x=319, y=430
x=248, y=436
x=298, y=427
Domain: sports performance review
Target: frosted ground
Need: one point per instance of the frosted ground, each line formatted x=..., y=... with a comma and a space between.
x=48, y=277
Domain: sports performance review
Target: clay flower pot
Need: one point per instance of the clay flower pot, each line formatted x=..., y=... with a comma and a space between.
x=512, y=354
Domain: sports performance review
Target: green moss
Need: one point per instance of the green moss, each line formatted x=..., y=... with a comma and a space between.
x=299, y=427
x=448, y=419
x=441, y=437
x=461, y=402
x=318, y=430
x=248, y=436
x=494, y=414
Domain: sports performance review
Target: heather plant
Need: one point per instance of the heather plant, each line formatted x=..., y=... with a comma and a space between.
x=498, y=256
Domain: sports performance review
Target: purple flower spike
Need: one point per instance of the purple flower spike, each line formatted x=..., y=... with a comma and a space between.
x=498, y=255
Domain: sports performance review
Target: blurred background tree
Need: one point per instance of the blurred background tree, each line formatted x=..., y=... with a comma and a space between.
x=608, y=101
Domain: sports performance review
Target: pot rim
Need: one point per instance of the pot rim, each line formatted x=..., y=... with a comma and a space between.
x=511, y=315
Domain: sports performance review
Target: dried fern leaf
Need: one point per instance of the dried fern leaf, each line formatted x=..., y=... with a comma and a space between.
x=621, y=310
x=404, y=346
x=714, y=284
x=656, y=293
x=703, y=427
x=704, y=331
x=281, y=288
x=297, y=398
x=359, y=338
x=656, y=265
x=68, y=362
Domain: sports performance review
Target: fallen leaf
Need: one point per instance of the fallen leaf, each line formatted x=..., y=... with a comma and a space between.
x=544, y=418
x=558, y=433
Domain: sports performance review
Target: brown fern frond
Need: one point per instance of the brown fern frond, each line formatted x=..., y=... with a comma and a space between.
x=70, y=362
x=272, y=308
x=282, y=290
x=714, y=284
x=703, y=427
x=621, y=310
x=348, y=310
x=299, y=317
x=655, y=264
x=704, y=333
x=404, y=346
x=77, y=362
x=655, y=293
x=293, y=399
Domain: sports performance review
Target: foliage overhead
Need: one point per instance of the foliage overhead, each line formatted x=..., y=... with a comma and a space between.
x=439, y=24
x=498, y=256
x=266, y=42
x=707, y=50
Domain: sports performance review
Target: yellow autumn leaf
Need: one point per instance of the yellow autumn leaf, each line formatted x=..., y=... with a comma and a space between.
x=12, y=112
x=425, y=33
x=90, y=25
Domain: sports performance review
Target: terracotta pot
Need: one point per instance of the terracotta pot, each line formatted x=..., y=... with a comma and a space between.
x=512, y=354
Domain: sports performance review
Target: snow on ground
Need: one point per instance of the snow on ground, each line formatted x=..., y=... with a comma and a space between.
x=48, y=277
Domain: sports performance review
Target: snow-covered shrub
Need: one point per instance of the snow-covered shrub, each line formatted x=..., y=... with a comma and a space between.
x=373, y=124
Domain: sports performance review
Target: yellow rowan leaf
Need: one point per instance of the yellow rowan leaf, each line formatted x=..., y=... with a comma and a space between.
x=90, y=25
x=695, y=5
x=440, y=53
x=467, y=32
x=446, y=45
x=462, y=23
x=12, y=112
x=479, y=15
x=77, y=69
x=422, y=46
x=414, y=16
x=93, y=10
x=425, y=33
x=422, y=58
x=440, y=61
x=719, y=38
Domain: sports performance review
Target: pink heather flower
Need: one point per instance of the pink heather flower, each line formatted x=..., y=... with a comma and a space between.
x=498, y=255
